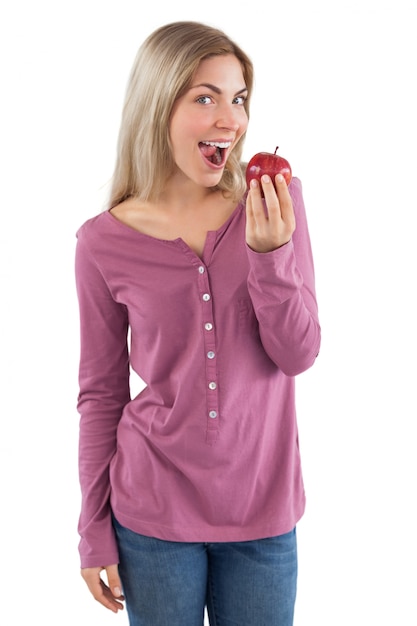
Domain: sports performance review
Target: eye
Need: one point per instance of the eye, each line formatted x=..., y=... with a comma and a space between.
x=239, y=100
x=203, y=100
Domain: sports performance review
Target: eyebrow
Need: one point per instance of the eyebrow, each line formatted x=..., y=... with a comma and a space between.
x=216, y=89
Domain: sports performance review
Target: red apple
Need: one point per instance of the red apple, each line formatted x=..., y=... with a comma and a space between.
x=268, y=163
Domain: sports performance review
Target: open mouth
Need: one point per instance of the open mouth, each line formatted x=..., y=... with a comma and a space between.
x=214, y=151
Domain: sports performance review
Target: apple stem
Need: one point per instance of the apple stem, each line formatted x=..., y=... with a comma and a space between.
x=276, y=149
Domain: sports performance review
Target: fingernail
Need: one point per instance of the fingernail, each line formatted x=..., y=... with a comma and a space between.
x=280, y=178
x=265, y=178
x=254, y=183
x=117, y=592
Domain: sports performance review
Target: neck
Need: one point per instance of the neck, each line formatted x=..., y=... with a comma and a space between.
x=184, y=194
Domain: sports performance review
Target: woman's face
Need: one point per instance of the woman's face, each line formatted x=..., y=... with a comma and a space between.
x=208, y=120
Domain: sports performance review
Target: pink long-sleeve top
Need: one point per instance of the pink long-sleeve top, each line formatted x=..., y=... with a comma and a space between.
x=208, y=450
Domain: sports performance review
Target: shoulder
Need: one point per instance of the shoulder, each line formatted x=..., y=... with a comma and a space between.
x=93, y=226
x=296, y=192
x=125, y=209
x=133, y=213
x=295, y=187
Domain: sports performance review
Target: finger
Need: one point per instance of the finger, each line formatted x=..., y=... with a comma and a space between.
x=257, y=210
x=271, y=200
x=285, y=202
x=107, y=599
x=249, y=210
x=250, y=220
x=114, y=582
x=255, y=213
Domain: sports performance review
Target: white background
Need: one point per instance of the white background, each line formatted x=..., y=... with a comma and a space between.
x=336, y=90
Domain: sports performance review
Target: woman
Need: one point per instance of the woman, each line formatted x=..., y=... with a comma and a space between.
x=193, y=488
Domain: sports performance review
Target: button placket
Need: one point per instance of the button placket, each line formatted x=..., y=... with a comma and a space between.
x=212, y=404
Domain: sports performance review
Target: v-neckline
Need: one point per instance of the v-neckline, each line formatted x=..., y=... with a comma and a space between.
x=210, y=238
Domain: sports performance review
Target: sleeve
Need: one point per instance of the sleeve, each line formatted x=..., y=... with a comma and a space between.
x=281, y=285
x=103, y=392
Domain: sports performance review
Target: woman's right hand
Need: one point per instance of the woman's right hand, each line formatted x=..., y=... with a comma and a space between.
x=109, y=595
x=267, y=231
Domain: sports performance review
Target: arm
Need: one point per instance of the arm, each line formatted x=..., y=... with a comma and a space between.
x=104, y=391
x=281, y=276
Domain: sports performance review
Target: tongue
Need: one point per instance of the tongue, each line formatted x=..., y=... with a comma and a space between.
x=208, y=151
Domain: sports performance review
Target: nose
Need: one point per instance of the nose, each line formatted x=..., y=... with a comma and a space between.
x=229, y=118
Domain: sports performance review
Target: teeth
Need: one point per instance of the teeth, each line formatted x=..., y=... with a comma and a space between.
x=218, y=144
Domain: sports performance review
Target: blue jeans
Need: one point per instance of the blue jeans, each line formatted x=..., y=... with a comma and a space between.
x=248, y=583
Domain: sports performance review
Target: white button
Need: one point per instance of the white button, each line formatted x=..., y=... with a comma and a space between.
x=206, y=297
x=201, y=269
x=210, y=355
x=208, y=326
x=213, y=414
x=212, y=385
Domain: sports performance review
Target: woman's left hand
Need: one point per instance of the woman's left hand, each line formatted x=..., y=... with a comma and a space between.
x=267, y=231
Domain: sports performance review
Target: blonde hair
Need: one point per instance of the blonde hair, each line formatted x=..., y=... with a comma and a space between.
x=162, y=72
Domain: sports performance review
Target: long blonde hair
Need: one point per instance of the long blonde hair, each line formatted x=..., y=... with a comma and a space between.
x=162, y=72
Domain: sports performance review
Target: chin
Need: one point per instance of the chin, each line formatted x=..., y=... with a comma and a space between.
x=211, y=180
x=205, y=179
